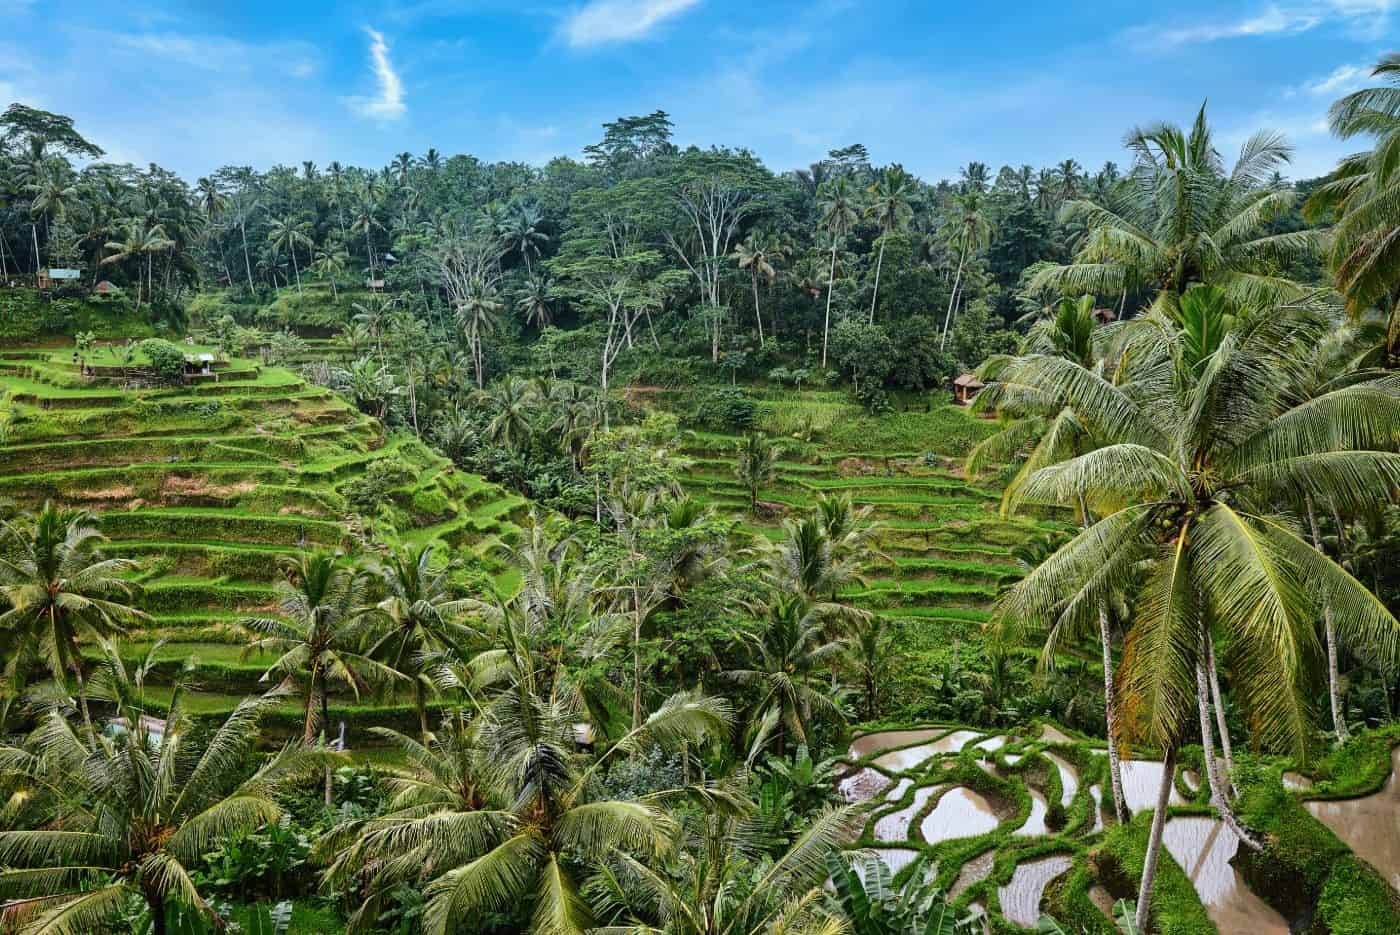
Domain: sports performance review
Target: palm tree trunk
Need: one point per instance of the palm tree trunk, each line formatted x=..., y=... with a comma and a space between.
x=1334, y=692
x=830, y=288
x=947, y=318
x=247, y=263
x=295, y=268
x=756, y=313
x=878, y=264
x=156, y=903
x=325, y=733
x=82, y=696
x=420, y=702
x=1216, y=697
x=369, y=252
x=1154, y=841
x=1110, y=708
x=636, y=660
x=1218, y=799
x=308, y=732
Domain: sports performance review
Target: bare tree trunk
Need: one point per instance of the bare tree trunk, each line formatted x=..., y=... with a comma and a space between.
x=878, y=264
x=830, y=288
x=1110, y=702
x=1216, y=699
x=247, y=263
x=948, y=318
x=1334, y=691
x=758, y=316
x=1154, y=841
x=1218, y=799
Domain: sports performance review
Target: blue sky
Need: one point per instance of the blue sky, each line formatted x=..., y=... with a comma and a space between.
x=194, y=85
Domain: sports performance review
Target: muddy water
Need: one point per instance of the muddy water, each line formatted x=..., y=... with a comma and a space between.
x=1054, y=735
x=974, y=871
x=862, y=747
x=961, y=813
x=1069, y=778
x=1370, y=826
x=898, y=760
x=862, y=785
x=1203, y=847
x=991, y=743
x=1097, y=794
x=1020, y=899
x=897, y=793
x=1101, y=898
x=1141, y=780
x=1292, y=780
x=1035, y=824
x=896, y=858
x=895, y=825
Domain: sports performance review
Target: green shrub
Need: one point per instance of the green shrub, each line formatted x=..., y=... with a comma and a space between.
x=725, y=408
x=167, y=359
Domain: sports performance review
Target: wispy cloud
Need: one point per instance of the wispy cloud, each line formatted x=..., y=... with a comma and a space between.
x=1342, y=80
x=604, y=21
x=1367, y=17
x=388, y=104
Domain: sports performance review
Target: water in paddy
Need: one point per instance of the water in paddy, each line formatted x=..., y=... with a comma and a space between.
x=1203, y=847
x=1292, y=780
x=1069, y=778
x=1054, y=735
x=873, y=743
x=974, y=871
x=1097, y=794
x=1370, y=826
x=1020, y=899
x=961, y=813
x=991, y=744
x=895, y=825
x=896, y=858
x=862, y=785
x=1035, y=824
x=1141, y=780
x=897, y=793
x=897, y=760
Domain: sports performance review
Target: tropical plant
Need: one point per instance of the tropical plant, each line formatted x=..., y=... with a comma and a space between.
x=755, y=464
x=889, y=208
x=840, y=212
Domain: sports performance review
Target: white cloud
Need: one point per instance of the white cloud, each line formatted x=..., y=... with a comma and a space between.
x=1359, y=16
x=1342, y=80
x=388, y=104
x=603, y=21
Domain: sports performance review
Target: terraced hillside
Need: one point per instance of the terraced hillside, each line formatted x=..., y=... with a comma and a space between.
x=210, y=484
x=948, y=550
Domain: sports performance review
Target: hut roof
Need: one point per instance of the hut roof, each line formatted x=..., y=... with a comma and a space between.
x=970, y=381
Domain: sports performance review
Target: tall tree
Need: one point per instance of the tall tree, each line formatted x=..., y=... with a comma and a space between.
x=840, y=211
x=889, y=208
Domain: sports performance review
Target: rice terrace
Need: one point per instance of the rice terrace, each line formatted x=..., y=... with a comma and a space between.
x=756, y=515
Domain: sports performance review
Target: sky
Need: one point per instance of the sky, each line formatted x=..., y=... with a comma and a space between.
x=196, y=85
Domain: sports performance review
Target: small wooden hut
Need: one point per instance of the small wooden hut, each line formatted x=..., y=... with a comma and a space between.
x=966, y=388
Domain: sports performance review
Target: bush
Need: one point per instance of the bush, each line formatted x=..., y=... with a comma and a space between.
x=167, y=359
x=726, y=408
x=368, y=494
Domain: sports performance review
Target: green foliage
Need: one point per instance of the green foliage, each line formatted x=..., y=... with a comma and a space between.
x=724, y=408
x=167, y=359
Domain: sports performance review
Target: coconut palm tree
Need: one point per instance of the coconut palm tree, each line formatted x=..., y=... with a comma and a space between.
x=534, y=301
x=514, y=403
x=1186, y=220
x=971, y=232
x=58, y=589
x=424, y=631
x=139, y=812
x=1363, y=195
x=364, y=220
x=522, y=232
x=1194, y=453
x=501, y=814
x=478, y=315
x=140, y=241
x=319, y=636
x=286, y=235
x=719, y=881
x=838, y=201
x=890, y=210
x=330, y=266
x=804, y=562
x=755, y=464
x=752, y=254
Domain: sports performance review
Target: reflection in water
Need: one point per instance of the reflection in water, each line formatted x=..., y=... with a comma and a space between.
x=874, y=743
x=1069, y=779
x=895, y=826
x=1203, y=847
x=897, y=760
x=1141, y=781
x=961, y=813
x=1020, y=899
x=974, y=871
x=1035, y=824
x=1370, y=826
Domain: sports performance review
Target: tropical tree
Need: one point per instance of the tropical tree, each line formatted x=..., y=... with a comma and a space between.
x=889, y=208
x=840, y=209
x=140, y=241
x=755, y=464
x=424, y=631
x=1193, y=455
x=59, y=589
x=478, y=315
x=286, y=235
x=522, y=232
x=330, y=266
x=970, y=232
x=754, y=253
x=1186, y=220
x=318, y=638
x=535, y=299
x=139, y=811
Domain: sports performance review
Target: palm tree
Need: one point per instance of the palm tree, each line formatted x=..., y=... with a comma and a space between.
x=755, y=464
x=401, y=165
x=140, y=241
x=373, y=314
x=974, y=177
x=889, y=208
x=242, y=211
x=139, y=812
x=840, y=211
x=364, y=219
x=719, y=882
x=522, y=232
x=1193, y=454
x=791, y=654
x=330, y=265
x=500, y=815
x=1185, y=220
x=59, y=588
x=514, y=403
x=318, y=636
x=53, y=188
x=804, y=561
x=1363, y=194
x=477, y=316
x=971, y=232
x=286, y=235
x=752, y=254
x=421, y=612
x=534, y=300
